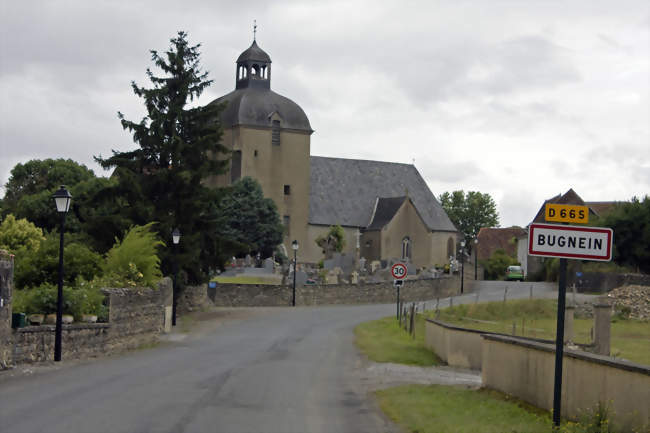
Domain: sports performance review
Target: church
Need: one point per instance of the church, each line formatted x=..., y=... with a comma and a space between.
x=386, y=209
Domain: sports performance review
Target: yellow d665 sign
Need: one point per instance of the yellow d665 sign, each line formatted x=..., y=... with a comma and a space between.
x=567, y=213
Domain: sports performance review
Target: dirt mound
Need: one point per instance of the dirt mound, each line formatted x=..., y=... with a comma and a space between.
x=633, y=300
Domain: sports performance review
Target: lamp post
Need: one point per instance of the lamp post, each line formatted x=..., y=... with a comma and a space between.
x=462, y=265
x=294, y=246
x=475, y=259
x=176, y=238
x=62, y=199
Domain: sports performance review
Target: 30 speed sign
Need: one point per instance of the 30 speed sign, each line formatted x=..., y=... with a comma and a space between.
x=399, y=271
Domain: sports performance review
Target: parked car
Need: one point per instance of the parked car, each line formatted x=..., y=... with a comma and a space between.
x=514, y=273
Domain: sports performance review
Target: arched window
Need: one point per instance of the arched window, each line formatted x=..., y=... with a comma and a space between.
x=254, y=70
x=406, y=248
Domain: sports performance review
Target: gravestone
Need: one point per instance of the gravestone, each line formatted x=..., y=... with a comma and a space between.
x=332, y=277
x=374, y=265
x=248, y=261
x=362, y=264
x=269, y=265
x=354, y=277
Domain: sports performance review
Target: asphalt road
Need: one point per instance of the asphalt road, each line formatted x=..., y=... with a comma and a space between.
x=271, y=370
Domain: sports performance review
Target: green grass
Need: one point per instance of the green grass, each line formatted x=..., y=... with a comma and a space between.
x=384, y=341
x=455, y=409
x=537, y=318
x=240, y=279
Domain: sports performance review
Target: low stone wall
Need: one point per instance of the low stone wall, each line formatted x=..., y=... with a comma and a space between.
x=6, y=285
x=603, y=282
x=193, y=298
x=258, y=295
x=525, y=369
x=136, y=317
x=36, y=343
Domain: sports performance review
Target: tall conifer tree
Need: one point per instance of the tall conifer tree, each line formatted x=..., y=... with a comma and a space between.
x=179, y=147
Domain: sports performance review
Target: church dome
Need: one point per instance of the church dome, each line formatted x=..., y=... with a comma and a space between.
x=254, y=53
x=253, y=103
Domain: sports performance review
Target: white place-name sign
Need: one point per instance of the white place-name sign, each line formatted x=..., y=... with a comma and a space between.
x=571, y=242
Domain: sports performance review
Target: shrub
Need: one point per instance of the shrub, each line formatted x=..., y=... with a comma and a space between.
x=84, y=299
x=134, y=260
x=18, y=236
x=495, y=267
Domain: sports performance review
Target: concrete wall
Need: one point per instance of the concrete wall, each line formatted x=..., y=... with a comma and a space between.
x=525, y=369
x=255, y=295
x=458, y=347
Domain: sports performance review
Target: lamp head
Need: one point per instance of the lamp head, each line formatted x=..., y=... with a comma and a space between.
x=462, y=244
x=62, y=198
x=176, y=236
x=294, y=245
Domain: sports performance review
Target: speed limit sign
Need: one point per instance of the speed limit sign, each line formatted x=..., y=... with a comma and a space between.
x=399, y=271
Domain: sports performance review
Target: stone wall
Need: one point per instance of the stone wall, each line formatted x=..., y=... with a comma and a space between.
x=36, y=343
x=603, y=282
x=6, y=287
x=136, y=317
x=260, y=295
x=193, y=298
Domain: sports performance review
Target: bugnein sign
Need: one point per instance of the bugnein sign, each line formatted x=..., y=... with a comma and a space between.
x=570, y=242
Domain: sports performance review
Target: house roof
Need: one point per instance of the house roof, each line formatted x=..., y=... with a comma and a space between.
x=569, y=197
x=601, y=208
x=344, y=191
x=492, y=239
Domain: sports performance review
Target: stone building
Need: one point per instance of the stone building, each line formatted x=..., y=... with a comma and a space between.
x=386, y=209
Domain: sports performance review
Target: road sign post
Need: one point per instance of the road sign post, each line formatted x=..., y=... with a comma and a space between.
x=566, y=242
x=399, y=272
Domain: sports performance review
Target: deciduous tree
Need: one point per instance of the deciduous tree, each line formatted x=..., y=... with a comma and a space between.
x=469, y=212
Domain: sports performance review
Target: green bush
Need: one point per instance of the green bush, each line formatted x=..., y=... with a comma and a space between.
x=85, y=299
x=134, y=260
x=34, y=268
x=495, y=267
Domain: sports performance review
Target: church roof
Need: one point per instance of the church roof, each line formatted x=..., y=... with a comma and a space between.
x=385, y=210
x=344, y=191
x=254, y=107
x=254, y=54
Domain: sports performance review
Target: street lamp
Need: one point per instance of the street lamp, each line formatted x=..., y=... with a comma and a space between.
x=176, y=238
x=62, y=199
x=462, y=265
x=294, y=246
x=475, y=259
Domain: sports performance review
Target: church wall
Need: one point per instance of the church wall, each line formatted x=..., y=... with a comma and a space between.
x=371, y=245
x=439, y=251
x=311, y=253
x=407, y=222
x=275, y=166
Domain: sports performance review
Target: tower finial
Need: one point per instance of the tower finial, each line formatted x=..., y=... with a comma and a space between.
x=254, y=30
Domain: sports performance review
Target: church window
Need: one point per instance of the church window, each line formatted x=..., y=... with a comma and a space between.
x=286, y=220
x=235, y=170
x=275, y=133
x=450, y=247
x=264, y=72
x=255, y=153
x=406, y=248
x=287, y=190
x=254, y=70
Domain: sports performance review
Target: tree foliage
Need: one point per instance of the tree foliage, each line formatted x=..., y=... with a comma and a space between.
x=162, y=180
x=133, y=261
x=631, y=224
x=470, y=212
x=332, y=241
x=250, y=219
x=19, y=235
x=495, y=267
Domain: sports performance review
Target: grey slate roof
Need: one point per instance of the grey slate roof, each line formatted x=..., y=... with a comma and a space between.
x=253, y=107
x=254, y=53
x=385, y=211
x=344, y=191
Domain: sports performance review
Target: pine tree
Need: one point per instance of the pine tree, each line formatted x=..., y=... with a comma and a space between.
x=179, y=147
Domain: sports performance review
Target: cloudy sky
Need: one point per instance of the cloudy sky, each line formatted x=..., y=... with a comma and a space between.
x=522, y=99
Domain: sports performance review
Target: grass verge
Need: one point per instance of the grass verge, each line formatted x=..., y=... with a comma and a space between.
x=239, y=279
x=453, y=409
x=384, y=341
x=630, y=339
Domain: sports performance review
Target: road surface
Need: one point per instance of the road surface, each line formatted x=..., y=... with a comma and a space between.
x=276, y=370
